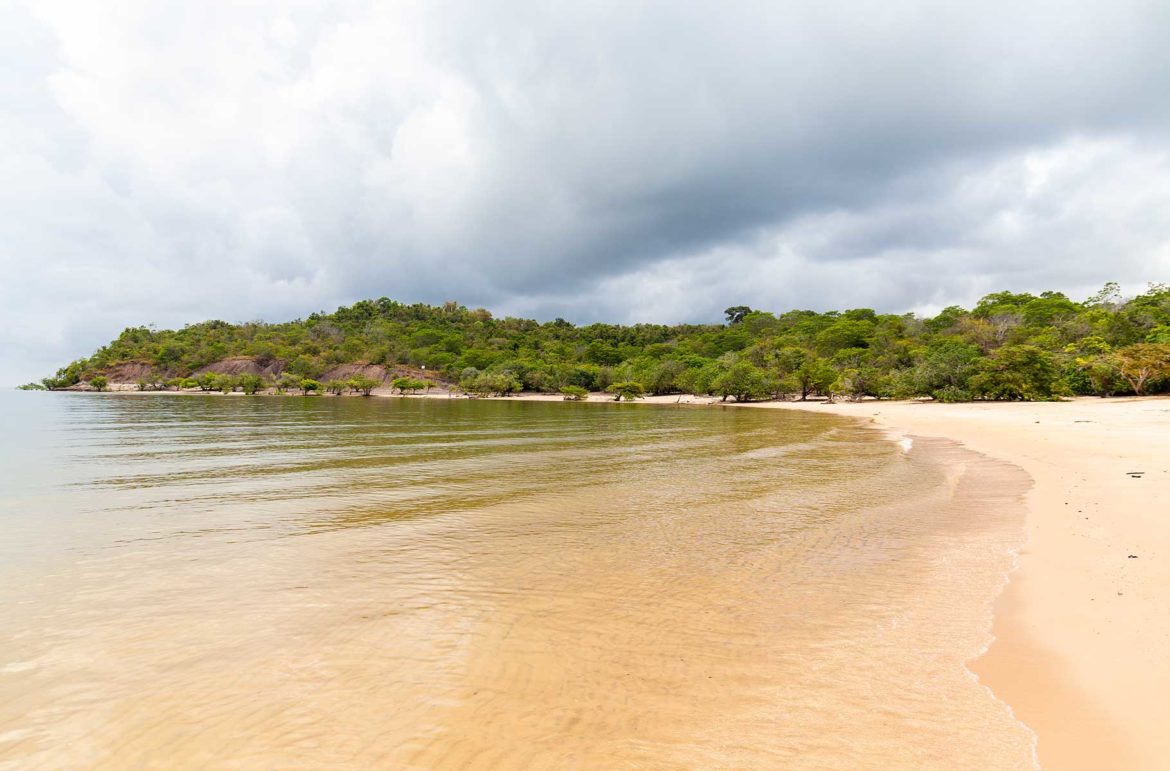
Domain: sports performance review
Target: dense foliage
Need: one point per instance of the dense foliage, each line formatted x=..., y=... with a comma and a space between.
x=1009, y=346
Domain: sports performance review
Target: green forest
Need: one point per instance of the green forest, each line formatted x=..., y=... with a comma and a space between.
x=1010, y=346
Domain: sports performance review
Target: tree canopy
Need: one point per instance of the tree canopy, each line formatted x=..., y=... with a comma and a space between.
x=1010, y=345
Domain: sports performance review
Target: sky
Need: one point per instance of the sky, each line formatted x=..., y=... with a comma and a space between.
x=169, y=162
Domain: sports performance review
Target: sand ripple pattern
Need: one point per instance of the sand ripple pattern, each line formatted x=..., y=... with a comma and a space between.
x=351, y=583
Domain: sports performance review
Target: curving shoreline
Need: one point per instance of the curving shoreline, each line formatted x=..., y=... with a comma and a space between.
x=1081, y=629
x=347, y=583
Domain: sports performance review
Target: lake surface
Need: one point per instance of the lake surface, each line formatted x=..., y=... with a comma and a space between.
x=255, y=582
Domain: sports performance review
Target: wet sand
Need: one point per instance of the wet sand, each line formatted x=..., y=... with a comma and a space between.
x=1082, y=650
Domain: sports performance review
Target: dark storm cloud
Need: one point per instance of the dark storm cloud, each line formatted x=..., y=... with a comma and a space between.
x=617, y=161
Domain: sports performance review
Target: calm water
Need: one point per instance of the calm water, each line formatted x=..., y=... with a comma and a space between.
x=407, y=583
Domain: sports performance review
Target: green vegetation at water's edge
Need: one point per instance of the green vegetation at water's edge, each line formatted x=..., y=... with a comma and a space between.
x=1009, y=346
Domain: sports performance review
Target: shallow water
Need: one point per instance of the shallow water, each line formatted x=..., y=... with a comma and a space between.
x=407, y=583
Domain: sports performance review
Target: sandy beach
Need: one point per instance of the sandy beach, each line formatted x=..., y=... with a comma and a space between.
x=1083, y=628
x=424, y=583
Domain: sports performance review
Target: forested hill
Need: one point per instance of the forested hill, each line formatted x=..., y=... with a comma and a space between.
x=1009, y=346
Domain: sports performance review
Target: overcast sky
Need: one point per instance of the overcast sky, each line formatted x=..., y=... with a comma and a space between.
x=619, y=161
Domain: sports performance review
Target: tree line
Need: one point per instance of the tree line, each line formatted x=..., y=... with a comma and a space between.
x=1009, y=346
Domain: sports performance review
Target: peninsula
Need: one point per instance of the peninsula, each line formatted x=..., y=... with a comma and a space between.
x=1010, y=346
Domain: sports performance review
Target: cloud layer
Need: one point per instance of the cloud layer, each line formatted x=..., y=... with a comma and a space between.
x=169, y=162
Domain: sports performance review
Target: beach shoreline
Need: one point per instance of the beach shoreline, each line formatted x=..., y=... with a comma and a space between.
x=428, y=583
x=1080, y=631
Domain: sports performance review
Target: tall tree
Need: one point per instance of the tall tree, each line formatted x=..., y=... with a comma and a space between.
x=736, y=313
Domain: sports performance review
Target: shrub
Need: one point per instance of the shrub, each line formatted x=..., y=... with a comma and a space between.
x=1017, y=373
x=951, y=394
x=287, y=381
x=743, y=380
x=574, y=393
x=361, y=384
x=1097, y=375
x=859, y=382
x=100, y=382
x=224, y=383
x=945, y=368
x=404, y=384
x=628, y=390
x=250, y=384
x=1142, y=364
x=495, y=383
x=157, y=380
